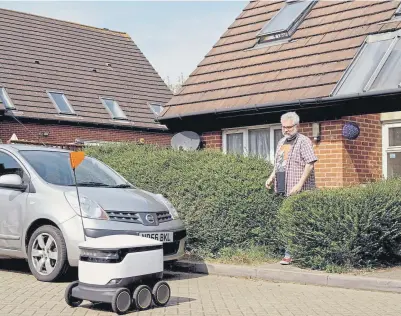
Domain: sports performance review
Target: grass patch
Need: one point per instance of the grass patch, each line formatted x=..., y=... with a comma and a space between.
x=252, y=256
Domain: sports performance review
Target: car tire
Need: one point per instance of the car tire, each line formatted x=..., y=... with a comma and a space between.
x=53, y=260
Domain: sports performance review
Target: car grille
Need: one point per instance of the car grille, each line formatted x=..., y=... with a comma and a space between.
x=132, y=217
x=164, y=217
x=128, y=217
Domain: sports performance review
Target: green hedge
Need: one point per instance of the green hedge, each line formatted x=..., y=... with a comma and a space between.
x=221, y=198
x=223, y=201
x=348, y=227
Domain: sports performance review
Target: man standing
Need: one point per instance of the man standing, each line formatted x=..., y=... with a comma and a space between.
x=294, y=163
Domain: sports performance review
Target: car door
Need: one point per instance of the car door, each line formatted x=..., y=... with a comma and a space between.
x=12, y=204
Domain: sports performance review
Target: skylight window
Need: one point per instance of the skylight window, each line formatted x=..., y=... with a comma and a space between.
x=113, y=108
x=286, y=21
x=376, y=67
x=156, y=108
x=398, y=11
x=61, y=103
x=5, y=99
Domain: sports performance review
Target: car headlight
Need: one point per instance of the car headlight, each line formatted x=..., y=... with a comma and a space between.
x=170, y=207
x=90, y=209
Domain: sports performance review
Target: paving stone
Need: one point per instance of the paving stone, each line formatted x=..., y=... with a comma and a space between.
x=205, y=295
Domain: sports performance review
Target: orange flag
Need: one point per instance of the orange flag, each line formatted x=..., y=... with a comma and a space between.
x=76, y=158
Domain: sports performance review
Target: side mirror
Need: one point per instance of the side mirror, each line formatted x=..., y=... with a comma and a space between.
x=12, y=181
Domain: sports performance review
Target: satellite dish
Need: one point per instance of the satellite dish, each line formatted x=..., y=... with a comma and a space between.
x=185, y=140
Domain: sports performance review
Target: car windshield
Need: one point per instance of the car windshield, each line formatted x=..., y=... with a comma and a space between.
x=54, y=167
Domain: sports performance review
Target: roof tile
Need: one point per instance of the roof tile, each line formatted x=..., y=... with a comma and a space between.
x=38, y=54
x=309, y=66
x=390, y=26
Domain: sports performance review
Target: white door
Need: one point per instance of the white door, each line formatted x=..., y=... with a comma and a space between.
x=12, y=205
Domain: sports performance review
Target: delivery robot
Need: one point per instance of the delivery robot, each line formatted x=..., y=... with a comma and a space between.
x=123, y=270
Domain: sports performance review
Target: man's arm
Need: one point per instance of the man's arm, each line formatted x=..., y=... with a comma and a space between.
x=308, y=155
x=270, y=180
x=307, y=171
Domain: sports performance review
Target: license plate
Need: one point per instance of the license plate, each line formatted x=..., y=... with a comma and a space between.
x=163, y=237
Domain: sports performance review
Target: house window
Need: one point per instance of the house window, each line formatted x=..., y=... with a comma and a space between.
x=259, y=141
x=286, y=21
x=5, y=99
x=392, y=150
x=61, y=103
x=113, y=108
x=156, y=108
x=375, y=67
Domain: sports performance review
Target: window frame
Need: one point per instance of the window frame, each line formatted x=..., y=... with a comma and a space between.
x=49, y=93
x=124, y=118
x=284, y=35
x=395, y=36
x=245, y=138
x=386, y=148
x=397, y=12
x=26, y=179
x=8, y=103
x=155, y=104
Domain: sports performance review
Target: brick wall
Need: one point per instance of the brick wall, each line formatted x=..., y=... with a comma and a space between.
x=362, y=157
x=344, y=162
x=212, y=140
x=63, y=133
x=341, y=162
x=328, y=169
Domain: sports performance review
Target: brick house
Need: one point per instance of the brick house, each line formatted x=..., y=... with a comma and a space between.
x=63, y=82
x=333, y=62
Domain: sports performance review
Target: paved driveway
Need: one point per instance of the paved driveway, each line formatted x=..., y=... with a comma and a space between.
x=21, y=294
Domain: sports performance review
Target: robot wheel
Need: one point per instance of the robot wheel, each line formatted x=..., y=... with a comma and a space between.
x=161, y=293
x=121, y=301
x=69, y=299
x=142, y=297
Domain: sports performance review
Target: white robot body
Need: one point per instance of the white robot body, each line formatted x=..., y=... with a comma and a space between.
x=106, y=260
x=120, y=269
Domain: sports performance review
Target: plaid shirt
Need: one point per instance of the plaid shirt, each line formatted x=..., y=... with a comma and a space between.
x=300, y=154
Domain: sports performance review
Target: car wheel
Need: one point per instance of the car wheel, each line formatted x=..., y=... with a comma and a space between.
x=47, y=254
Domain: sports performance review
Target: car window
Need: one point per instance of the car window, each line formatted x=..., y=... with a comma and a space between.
x=8, y=165
x=54, y=167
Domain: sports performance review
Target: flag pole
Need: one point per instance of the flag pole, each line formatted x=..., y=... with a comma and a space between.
x=75, y=159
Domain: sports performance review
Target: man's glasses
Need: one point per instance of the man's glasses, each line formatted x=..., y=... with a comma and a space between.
x=287, y=127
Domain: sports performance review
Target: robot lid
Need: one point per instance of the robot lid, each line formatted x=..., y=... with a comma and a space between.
x=114, y=242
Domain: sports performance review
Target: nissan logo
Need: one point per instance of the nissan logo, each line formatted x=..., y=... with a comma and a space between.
x=150, y=218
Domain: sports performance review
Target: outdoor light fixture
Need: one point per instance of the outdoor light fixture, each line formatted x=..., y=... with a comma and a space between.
x=316, y=131
x=351, y=130
x=44, y=134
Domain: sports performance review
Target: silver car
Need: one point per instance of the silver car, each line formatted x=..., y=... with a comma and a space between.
x=40, y=208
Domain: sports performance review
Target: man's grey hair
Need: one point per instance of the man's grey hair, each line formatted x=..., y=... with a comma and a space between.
x=290, y=116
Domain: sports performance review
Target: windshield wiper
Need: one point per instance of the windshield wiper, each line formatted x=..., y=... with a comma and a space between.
x=121, y=186
x=90, y=184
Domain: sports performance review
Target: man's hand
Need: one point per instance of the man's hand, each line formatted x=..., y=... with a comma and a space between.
x=269, y=183
x=297, y=188
x=270, y=179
